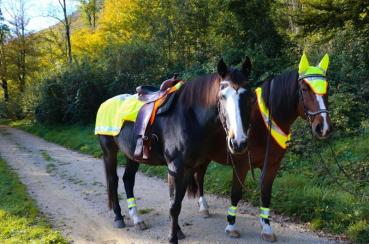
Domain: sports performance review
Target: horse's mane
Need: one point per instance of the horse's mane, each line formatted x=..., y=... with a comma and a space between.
x=202, y=90
x=284, y=97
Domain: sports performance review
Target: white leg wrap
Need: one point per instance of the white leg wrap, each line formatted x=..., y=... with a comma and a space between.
x=203, y=204
x=266, y=228
x=133, y=213
x=231, y=227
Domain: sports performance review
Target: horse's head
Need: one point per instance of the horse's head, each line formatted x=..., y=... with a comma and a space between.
x=313, y=88
x=235, y=104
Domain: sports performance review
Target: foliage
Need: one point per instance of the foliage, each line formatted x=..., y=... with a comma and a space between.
x=20, y=220
x=73, y=95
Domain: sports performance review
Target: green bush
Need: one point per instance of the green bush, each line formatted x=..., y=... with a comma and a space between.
x=11, y=109
x=73, y=95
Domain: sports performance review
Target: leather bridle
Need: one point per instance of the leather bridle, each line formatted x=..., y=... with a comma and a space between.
x=309, y=114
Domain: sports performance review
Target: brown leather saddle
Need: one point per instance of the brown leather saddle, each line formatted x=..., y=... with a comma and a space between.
x=153, y=98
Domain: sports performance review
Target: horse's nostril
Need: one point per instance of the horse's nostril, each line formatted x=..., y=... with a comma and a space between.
x=318, y=129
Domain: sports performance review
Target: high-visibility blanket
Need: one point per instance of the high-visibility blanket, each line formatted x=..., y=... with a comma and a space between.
x=114, y=111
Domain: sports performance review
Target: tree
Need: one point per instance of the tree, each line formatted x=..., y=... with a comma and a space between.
x=90, y=8
x=18, y=25
x=325, y=15
x=67, y=25
x=4, y=33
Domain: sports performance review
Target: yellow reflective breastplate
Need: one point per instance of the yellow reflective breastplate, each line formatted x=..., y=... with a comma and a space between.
x=277, y=133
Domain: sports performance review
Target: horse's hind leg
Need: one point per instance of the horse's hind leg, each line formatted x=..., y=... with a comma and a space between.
x=129, y=182
x=199, y=177
x=110, y=151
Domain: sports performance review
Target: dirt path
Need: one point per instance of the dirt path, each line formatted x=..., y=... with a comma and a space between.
x=70, y=188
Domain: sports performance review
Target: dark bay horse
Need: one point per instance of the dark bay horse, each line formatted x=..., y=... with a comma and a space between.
x=290, y=95
x=185, y=136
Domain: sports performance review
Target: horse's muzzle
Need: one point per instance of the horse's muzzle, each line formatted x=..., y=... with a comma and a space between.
x=236, y=147
x=320, y=132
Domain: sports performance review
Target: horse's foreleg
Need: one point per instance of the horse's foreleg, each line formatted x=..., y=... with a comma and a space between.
x=199, y=177
x=177, y=189
x=236, y=195
x=110, y=151
x=129, y=182
x=266, y=191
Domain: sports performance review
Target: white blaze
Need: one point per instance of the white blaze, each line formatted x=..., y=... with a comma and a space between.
x=324, y=115
x=234, y=113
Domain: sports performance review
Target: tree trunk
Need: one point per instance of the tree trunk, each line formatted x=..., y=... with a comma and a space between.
x=67, y=31
x=4, y=85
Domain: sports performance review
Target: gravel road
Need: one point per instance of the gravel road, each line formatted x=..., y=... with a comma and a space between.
x=69, y=188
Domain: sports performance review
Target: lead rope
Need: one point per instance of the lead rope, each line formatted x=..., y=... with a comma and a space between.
x=336, y=180
x=234, y=168
x=229, y=155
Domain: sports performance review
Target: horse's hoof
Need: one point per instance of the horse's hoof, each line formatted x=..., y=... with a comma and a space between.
x=119, y=223
x=204, y=213
x=269, y=237
x=172, y=240
x=180, y=235
x=233, y=233
x=141, y=225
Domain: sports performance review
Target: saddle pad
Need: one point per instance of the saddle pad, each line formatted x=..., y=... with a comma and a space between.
x=113, y=112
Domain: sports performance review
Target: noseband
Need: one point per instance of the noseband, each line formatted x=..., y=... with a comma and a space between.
x=309, y=114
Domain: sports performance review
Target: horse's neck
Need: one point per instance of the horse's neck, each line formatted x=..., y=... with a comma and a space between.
x=286, y=125
x=206, y=116
x=289, y=118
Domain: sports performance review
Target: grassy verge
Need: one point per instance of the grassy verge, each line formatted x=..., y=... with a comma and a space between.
x=20, y=220
x=301, y=190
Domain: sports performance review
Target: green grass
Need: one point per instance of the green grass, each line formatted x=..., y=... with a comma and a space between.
x=302, y=189
x=46, y=156
x=20, y=220
x=145, y=210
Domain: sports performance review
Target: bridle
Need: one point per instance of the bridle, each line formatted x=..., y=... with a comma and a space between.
x=309, y=114
x=222, y=116
x=222, y=119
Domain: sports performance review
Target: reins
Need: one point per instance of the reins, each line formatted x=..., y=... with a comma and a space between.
x=326, y=167
x=229, y=154
x=322, y=161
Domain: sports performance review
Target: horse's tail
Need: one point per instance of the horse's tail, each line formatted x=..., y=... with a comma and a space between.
x=110, y=162
x=192, y=187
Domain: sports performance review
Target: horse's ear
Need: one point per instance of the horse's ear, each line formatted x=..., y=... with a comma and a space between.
x=222, y=68
x=246, y=67
x=324, y=63
x=304, y=64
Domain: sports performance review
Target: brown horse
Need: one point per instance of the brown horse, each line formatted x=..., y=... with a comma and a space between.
x=185, y=135
x=280, y=101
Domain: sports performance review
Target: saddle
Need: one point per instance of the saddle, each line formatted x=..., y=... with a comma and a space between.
x=153, y=98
